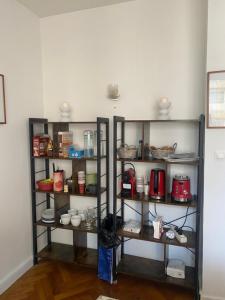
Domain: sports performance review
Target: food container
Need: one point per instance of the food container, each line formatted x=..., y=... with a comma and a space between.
x=88, y=143
x=163, y=152
x=127, y=152
x=58, y=181
x=45, y=185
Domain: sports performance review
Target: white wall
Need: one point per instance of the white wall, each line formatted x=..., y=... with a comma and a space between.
x=20, y=62
x=214, y=221
x=150, y=48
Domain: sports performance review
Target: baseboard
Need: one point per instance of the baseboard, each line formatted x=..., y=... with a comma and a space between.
x=10, y=278
x=203, y=297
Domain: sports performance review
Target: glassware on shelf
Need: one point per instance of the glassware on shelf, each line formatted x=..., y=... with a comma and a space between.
x=88, y=143
x=91, y=217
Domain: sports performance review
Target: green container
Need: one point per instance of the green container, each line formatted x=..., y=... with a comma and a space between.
x=91, y=178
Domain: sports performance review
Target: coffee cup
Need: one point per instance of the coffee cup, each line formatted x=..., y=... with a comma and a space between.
x=65, y=219
x=72, y=212
x=75, y=220
x=82, y=213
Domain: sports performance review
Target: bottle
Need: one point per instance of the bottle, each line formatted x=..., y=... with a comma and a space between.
x=139, y=152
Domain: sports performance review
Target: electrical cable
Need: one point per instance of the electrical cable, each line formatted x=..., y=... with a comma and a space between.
x=177, y=219
x=185, y=220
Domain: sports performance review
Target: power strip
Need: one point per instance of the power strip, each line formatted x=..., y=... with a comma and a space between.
x=180, y=237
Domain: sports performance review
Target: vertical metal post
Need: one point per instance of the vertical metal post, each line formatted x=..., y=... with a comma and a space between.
x=33, y=193
x=122, y=171
x=47, y=173
x=115, y=128
x=199, y=216
x=107, y=167
x=98, y=175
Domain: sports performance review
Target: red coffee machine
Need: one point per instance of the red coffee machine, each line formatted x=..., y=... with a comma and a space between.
x=157, y=184
x=128, y=184
x=181, y=189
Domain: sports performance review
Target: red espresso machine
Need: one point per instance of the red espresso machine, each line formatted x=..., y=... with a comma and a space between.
x=157, y=184
x=181, y=188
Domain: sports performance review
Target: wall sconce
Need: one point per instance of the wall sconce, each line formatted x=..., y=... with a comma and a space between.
x=113, y=92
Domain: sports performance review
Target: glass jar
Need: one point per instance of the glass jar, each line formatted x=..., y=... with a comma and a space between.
x=88, y=143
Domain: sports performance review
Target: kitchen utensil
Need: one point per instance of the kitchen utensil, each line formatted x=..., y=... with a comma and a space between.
x=128, y=184
x=88, y=143
x=157, y=184
x=127, y=152
x=45, y=185
x=181, y=188
x=163, y=152
x=58, y=181
x=71, y=185
x=91, y=178
x=65, y=219
x=91, y=213
x=91, y=189
x=72, y=212
x=76, y=220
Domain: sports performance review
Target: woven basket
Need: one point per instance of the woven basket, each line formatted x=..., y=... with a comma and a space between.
x=127, y=152
x=164, y=152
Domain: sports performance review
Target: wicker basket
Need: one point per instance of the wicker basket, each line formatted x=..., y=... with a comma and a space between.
x=164, y=152
x=127, y=152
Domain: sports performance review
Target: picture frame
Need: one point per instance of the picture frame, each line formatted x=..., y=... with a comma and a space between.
x=2, y=100
x=216, y=99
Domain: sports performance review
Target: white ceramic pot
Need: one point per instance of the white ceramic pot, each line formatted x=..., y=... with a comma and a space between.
x=75, y=220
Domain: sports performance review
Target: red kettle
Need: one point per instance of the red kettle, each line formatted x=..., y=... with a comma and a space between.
x=157, y=184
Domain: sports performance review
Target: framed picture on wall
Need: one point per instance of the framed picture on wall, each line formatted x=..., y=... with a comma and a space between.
x=2, y=100
x=216, y=99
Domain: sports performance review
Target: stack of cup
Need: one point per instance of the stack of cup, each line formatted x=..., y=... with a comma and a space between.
x=81, y=181
x=140, y=185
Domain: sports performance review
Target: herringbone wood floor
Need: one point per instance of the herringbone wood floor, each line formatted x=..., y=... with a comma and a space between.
x=58, y=281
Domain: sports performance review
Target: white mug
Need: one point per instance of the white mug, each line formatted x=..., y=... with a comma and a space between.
x=75, y=220
x=65, y=219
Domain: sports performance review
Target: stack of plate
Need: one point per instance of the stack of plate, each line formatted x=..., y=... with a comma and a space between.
x=48, y=215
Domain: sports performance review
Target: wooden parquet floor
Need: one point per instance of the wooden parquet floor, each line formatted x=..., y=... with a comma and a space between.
x=59, y=281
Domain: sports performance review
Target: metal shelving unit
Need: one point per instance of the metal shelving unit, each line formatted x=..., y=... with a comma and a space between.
x=77, y=253
x=149, y=268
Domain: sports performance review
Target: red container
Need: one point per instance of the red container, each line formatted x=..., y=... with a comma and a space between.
x=157, y=184
x=58, y=181
x=45, y=186
x=181, y=190
x=36, y=146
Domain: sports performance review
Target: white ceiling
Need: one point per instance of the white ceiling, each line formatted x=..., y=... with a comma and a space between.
x=45, y=8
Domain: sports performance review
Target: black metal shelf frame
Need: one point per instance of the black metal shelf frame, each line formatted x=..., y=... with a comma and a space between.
x=119, y=136
x=79, y=235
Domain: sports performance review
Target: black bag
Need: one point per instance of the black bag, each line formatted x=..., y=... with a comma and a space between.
x=107, y=236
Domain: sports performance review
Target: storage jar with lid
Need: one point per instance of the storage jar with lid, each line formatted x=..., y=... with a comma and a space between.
x=88, y=143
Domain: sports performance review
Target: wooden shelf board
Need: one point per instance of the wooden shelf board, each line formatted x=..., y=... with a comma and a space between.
x=73, y=122
x=65, y=253
x=71, y=194
x=164, y=121
x=68, y=158
x=159, y=161
x=153, y=270
x=147, y=232
x=81, y=228
x=169, y=201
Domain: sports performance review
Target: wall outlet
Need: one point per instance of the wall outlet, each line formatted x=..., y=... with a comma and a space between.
x=220, y=154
